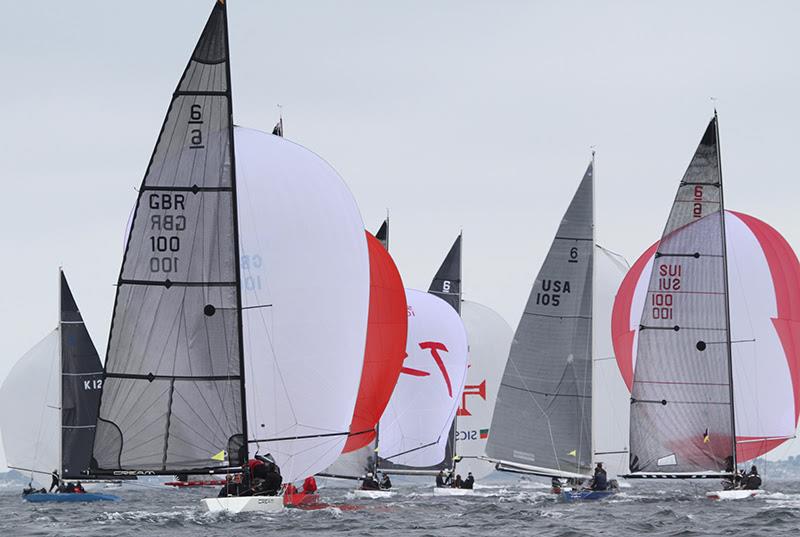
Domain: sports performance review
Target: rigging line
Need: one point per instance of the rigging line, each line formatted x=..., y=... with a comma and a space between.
x=411, y=450
x=303, y=437
x=547, y=394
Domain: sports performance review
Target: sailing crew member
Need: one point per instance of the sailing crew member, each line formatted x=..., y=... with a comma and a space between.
x=469, y=482
x=458, y=483
x=386, y=483
x=600, y=480
x=55, y=480
x=555, y=485
x=440, y=479
x=310, y=485
x=369, y=483
x=752, y=481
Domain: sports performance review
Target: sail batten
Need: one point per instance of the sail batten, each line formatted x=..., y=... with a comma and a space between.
x=174, y=357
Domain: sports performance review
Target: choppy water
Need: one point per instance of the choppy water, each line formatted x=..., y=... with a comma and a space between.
x=502, y=507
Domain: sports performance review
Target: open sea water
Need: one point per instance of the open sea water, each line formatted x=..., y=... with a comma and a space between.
x=502, y=506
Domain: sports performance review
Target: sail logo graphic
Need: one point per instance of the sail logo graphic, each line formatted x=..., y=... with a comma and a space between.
x=471, y=389
x=434, y=347
x=479, y=434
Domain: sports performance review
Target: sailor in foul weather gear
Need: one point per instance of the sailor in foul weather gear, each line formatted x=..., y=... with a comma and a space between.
x=440, y=479
x=369, y=483
x=55, y=480
x=752, y=481
x=600, y=479
x=458, y=483
x=386, y=483
x=469, y=482
x=310, y=485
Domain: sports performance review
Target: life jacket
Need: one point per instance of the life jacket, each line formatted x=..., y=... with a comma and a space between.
x=290, y=489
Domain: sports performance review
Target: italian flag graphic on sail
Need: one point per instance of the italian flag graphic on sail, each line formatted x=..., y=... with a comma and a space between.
x=483, y=433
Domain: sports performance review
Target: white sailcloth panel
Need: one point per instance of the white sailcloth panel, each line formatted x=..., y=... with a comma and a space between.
x=428, y=393
x=763, y=393
x=305, y=294
x=30, y=420
x=489, y=337
x=611, y=399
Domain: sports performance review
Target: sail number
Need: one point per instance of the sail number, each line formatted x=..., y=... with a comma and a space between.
x=165, y=248
x=669, y=281
x=551, y=292
x=697, y=205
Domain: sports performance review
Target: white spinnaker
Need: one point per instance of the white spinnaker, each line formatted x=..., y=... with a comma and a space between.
x=610, y=396
x=489, y=337
x=422, y=409
x=763, y=392
x=305, y=294
x=31, y=416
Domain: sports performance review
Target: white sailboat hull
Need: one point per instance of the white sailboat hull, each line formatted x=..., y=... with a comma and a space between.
x=447, y=491
x=732, y=494
x=244, y=504
x=373, y=494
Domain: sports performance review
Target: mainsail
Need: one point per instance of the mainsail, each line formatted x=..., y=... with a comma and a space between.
x=682, y=398
x=446, y=283
x=414, y=429
x=172, y=390
x=542, y=420
x=81, y=380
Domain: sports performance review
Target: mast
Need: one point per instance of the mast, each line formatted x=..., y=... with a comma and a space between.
x=385, y=240
x=60, y=375
x=727, y=295
x=237, y=257
x=593, y=348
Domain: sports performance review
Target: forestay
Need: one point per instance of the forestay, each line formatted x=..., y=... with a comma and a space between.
x=414, y=428
x=681, y=404
x=171, y=398
x=31, y=419
x=543, y=416
x=306, y=286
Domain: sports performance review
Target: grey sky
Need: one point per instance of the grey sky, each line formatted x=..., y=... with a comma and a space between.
x=451, y=114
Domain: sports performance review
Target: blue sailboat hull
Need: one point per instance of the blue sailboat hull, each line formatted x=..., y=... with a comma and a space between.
x=42, y=497
x=580, y=495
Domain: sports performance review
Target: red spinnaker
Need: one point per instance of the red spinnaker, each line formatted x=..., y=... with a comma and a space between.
x=385, y=351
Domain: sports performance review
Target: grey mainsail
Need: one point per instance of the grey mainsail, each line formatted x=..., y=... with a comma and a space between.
x=542, y=418
x=681, y=401
x=447, y=282
x=172, y=394
x=383, y=233
x=81, y=380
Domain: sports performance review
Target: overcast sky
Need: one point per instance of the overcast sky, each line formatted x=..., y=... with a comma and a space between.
x=450, y=114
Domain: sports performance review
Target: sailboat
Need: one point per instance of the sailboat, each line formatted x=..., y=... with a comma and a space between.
x=54, y=390
x=708, y=326
x=417, y=430
x=547, y=420
x=239, y=325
